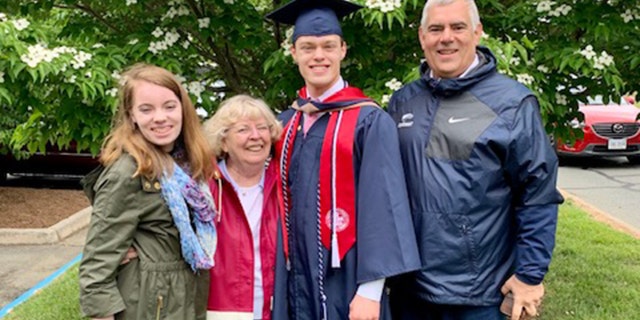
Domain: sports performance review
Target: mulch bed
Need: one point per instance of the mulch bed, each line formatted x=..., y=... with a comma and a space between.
x=22, y=207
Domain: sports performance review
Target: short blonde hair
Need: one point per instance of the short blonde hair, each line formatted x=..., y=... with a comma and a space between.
x=235, y=109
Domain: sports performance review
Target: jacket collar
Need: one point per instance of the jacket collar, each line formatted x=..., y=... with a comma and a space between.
x=449, y=87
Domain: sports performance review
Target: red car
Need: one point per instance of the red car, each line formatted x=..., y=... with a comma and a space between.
x=609, y=131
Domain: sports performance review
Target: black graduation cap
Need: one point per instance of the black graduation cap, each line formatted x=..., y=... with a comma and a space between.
x=314, y=17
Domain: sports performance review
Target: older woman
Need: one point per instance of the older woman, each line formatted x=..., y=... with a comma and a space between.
x=242, y=133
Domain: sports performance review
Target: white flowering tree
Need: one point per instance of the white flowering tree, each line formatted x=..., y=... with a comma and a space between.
x=60, y=60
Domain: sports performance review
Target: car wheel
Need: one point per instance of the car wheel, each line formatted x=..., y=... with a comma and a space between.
x=3, y=175
x=634, y=159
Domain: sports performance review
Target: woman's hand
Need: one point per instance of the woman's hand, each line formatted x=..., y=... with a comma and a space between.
x=131, y=254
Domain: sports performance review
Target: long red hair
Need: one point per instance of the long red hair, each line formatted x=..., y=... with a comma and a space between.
x=151, y=159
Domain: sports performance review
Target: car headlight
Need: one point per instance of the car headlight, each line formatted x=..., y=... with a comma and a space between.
x=576, y=124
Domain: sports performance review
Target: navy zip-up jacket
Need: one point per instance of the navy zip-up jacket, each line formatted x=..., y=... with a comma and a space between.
x=481, y=176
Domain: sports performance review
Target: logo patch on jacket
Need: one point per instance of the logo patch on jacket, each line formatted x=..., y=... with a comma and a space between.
x=406, y=121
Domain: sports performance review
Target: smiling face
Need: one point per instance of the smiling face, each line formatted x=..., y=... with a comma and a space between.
x=449, y=39
x=157, y=112
x=247, y=143
x=318, y=60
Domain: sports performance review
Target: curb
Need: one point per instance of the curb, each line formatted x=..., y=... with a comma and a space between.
x=601, y=216
x=50, y=235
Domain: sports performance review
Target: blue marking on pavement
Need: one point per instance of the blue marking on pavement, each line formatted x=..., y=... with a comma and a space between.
x=4, y=311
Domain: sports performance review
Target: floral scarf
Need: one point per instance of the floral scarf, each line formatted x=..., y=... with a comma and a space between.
x=191, y=205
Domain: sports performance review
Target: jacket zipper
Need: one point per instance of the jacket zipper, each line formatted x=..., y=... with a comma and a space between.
x=160, y=306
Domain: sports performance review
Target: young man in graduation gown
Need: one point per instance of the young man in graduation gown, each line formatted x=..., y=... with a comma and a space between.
x=346, y=209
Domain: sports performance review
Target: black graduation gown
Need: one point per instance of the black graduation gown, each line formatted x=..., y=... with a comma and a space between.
x=385, y=239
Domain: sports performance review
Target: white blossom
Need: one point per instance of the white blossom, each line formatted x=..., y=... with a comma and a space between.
x=98, y=45
x=171, y=37
x=157, y=32
x=202, y=112
x=130, y=2
x=515, y=61
x=561, y=99
x=37, y=54
x=71, y=79
x=286, y=43
x=1, y=77
x=386, y=98
x=21, y=24
x=79, y=59
x=524, y=78
x=393, y=84
x=605, y=58
x=195, y=88
x=629, y=15
x=183, y=11
x=186, y=44
x=116, y=75
x=171, y=13
x=543, y=69
x=383, y=5
x=544, y=6
x=603, y=61
x=588, y=52
x=3, y=17
x=204, y=23
x=112, y=92
x=156, y=47
x=562, y=10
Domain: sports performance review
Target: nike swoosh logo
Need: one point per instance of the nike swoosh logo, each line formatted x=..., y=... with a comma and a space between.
x=456, y=120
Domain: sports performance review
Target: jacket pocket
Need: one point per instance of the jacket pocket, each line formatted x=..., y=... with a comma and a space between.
x=164, y=287
x=447, y=243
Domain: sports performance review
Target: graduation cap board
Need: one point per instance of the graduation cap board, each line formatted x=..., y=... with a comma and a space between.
x=314, y=17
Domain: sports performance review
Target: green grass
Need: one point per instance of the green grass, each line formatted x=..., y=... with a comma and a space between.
x=595, y=271
x=57, y=301
x=595, y=275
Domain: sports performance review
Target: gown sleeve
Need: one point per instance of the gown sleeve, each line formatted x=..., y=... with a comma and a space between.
x=386, y=240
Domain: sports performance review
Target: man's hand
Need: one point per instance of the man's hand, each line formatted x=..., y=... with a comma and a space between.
x=362, y=308
x=526, y=298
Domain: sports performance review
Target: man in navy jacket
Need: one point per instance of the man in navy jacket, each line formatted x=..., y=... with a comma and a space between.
x=481, y=176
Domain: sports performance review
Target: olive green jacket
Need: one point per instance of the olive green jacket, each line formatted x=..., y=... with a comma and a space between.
x=158, y=284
